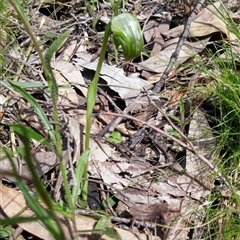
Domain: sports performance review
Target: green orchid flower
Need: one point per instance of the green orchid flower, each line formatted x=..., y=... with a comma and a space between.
x=127, y=34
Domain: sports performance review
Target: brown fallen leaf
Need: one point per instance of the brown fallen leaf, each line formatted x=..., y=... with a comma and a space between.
x=71, y=75
x=201, y=136
x=198, y=179
x=159, y=62
x=158, y=212
x=12, y=201
x=127, y=87
x=44, y=161
x=152, y=35
x=205, y=23
x=66, y=94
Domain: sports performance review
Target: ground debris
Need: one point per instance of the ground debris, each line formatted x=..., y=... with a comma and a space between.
x=153, y=170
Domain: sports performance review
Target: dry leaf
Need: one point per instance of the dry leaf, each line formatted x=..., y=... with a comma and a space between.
x=198, y=178
x=200, y=134
x=72, y=76
x=158, y=212
x=12, y=202
x=205, y=23
x=69, y=51
x=67, y=95
x=159, y=62
x=127, y=87
x=149, y=30
x=44, y=161
x=76, y=135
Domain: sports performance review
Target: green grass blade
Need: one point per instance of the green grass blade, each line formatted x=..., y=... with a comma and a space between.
x=20, y=10
x=92, y=90
x=37, y=108
x=31, y=167
x=174, y=118
x=54, y=91
x=81, y=166
x=20, y=129
x=40, y=212
x=14, y=220
x=25, y=84
x=48, y=71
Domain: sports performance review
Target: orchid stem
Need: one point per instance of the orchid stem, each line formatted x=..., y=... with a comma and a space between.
x=91, y=99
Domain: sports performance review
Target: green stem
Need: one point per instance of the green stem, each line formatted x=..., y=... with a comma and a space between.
x=58, y=143
x=29, y=31
x=91, y=99
x=92, y=90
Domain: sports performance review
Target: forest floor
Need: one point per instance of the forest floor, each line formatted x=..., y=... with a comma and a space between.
x=164, y=146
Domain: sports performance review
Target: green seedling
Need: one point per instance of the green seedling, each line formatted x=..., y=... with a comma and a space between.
x=105, y=227
x=174, y=133
x=6, y=231
x=115, y=137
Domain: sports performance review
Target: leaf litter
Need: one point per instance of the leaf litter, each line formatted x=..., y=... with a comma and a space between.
x=143, y=172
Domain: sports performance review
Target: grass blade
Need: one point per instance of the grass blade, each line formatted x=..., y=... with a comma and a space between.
x=48, y=219
x=20, y=129
x=48, y=71
x=37, y=108
x=81, y=166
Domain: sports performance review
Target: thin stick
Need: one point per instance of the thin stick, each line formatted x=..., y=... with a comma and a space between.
x=173, y=59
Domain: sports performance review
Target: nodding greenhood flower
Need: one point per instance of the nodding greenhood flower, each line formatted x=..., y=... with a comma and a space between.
x=127, y=34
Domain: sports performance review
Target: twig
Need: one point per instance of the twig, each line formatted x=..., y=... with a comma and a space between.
x=115, y=219
x=173, y=59
x=112, y=125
